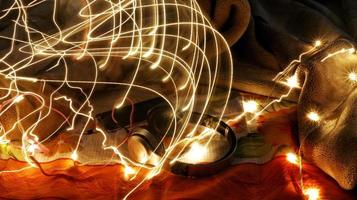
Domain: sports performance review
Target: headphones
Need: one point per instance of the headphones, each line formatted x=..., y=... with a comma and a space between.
x=147, y=140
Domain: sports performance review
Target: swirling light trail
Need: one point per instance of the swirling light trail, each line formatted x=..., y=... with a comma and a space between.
x=168, y=37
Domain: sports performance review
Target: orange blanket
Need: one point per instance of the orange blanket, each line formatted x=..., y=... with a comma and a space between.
x=277, y=179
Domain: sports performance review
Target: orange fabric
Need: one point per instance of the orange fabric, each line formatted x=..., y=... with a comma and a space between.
x=275, y=180
x=279, y=128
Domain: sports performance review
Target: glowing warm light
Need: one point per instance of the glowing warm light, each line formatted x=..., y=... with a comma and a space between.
x=250, y=106
x=352, y=76
x=313, y=116
x=74, y=156
x=18, y=99
x=143, y=46
x=312, y=193
x=318, y=43
x=292, y=158
x=2, y=141
x=119, y=105
x=351, y=50
x=196, y=154
x=129, y=171
x=341, y=51
x=293, y=82
x=155, y=160
x=32, y=148
x=34, y=80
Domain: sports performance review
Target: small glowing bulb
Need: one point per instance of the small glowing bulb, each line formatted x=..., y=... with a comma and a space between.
x=4, y=141
x=250, y=106
x=312, y=193
x=18, y=99
x=352, y=76
x=351, y=50
x=313, y=116
x=128, y=171
x=292, y=158
x=197, y=151
x=318, y=43
x=293, y=82
x=196, y=154
x=32, y=148
x=74, y=156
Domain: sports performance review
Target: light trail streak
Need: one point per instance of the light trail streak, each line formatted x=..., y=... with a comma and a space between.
x=170, y=41
x=166, y=40
x=315, y=118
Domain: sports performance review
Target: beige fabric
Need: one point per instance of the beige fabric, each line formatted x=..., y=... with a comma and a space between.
x=330, y=143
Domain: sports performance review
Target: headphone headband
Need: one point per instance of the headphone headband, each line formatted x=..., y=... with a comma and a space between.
x=153, y=111
x=206, y=169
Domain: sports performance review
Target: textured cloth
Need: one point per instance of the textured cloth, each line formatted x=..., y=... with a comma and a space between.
x=265, y=35
x=330, y=143
x=278, y=32
x=275, y=180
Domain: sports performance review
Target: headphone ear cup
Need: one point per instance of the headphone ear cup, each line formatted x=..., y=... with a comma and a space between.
x=161, y=120
x=141, y=144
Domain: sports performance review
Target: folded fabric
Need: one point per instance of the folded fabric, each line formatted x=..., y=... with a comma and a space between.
x=330, y=141
x=274, y=180
x=229, y=17
x=280, y=30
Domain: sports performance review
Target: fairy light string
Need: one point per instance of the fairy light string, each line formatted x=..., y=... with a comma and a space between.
x=146, y=33
x=166, y=37
x=316, y=118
